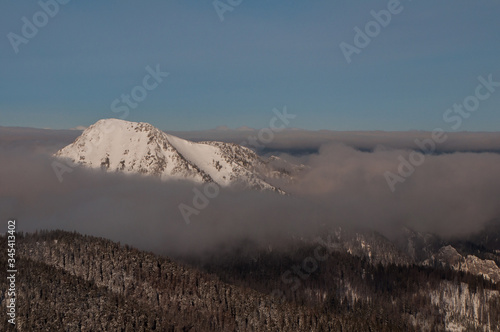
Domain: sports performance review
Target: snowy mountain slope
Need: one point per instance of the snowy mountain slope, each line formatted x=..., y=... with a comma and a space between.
x=130, y=147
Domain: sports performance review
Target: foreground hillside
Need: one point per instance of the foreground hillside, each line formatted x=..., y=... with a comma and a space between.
x=70, y=282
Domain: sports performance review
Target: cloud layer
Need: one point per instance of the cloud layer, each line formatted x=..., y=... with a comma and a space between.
x=452, y=194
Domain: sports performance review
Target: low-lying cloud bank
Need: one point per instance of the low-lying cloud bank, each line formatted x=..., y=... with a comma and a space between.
x=301, y=141
x=451, y=194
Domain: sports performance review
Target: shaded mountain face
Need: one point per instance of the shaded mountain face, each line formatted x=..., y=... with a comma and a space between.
x=131, y=147
x=423, y=249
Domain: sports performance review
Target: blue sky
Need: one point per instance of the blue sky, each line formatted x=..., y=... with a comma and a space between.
x=264, y=55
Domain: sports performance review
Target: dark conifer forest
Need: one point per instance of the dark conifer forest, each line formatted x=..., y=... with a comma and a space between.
x=71, y=282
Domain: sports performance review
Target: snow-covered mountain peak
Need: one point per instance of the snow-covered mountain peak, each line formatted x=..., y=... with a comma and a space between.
x=136, y=147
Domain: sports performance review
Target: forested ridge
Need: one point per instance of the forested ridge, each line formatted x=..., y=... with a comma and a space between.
x=71, y=282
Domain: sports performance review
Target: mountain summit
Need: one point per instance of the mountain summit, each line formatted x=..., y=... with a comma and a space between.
x=136, y=147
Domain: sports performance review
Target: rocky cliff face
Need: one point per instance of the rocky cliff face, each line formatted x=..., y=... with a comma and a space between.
x=448, y=256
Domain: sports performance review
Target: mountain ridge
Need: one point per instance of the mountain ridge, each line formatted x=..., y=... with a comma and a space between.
x=138, y=147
